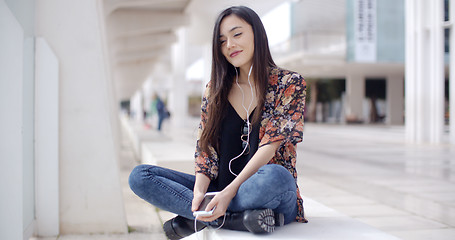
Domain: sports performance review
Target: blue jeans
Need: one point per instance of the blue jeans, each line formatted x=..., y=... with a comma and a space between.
x=160, y=120
x=272, y=186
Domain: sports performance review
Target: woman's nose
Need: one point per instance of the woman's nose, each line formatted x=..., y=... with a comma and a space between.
x=230, y=43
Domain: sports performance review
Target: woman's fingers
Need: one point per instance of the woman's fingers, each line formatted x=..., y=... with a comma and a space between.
x=220, y=209
x=210, y=206
x=213, y=203
x=211, y=218
x=220, y=202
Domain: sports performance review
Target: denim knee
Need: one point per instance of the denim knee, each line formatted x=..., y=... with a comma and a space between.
x=278, y=176
x=136, y=179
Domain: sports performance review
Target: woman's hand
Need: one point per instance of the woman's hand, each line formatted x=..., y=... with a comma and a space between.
x=200, y=188
x=197, y=200
x=221, y=202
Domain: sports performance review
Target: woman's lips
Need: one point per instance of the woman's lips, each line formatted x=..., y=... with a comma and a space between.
x=235, y=54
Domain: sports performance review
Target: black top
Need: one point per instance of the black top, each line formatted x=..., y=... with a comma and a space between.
x=231, y=146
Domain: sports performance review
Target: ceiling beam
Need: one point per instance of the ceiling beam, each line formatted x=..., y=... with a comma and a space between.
x=128, y=77
x=140, y=56
x=127, y=22
x=142, y=43
x=112, y=5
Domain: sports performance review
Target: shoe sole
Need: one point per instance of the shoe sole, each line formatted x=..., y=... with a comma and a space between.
x=260, y=221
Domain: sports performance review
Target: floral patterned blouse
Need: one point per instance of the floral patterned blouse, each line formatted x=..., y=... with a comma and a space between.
x=282, y=120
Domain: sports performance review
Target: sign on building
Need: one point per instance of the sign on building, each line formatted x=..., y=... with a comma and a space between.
x=365, y=30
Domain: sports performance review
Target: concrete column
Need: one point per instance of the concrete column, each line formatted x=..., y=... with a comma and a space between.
x=411, y=119
x=11, y=122
x=424, y=71
x=207, y=64
x=355, y=93
x=452, y=71
x=436, y=83
x=147, y=89
x=90, y=192
x=136, y=106
x=395, y=100
x=178, y=98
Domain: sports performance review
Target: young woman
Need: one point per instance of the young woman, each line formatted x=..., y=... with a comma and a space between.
x=251, y=120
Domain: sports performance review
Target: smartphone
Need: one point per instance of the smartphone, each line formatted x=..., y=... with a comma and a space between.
x=201, y=210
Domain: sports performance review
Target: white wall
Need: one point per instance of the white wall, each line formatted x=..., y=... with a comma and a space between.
x=46, y=140
x=90, y=191
x=11, y=77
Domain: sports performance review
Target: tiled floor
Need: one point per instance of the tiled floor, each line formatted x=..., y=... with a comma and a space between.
x=371, y=174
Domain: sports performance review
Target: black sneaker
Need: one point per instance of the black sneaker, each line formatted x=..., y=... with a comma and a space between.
x=180, y=227
x=255, y=221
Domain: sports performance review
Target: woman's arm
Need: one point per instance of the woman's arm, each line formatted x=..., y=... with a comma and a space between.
x=200, y=188
x=206, y=162
x=262, y=156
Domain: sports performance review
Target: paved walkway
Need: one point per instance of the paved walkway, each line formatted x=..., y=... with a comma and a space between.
x=366, y=172
x=371, y=174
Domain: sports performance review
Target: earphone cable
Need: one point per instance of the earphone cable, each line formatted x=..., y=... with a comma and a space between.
x=247, y=113
x=195, y=225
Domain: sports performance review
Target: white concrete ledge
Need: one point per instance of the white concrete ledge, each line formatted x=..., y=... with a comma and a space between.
x=176, y=156
x=324, y=223
x=156, y=148
x=137, y=134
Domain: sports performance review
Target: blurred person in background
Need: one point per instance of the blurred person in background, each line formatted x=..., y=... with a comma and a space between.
x=251, y=120
x=160, y=108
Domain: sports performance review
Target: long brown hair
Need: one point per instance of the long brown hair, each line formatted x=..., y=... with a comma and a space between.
x=223, y=74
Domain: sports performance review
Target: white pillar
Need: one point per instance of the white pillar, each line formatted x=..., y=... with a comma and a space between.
x=395, y=99
x=436, y=83
x=452, y=71
x=207, y=64
x=91, y=198
x=11, y=122
x=410, y=72
x=355, y=93
x=136, y=106
x=424, y=71
x=147, y=89
x=178, y=102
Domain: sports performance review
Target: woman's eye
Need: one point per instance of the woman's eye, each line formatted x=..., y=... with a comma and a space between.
x=237, y=34
x=222, y=42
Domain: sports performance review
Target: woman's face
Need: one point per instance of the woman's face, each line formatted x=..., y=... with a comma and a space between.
x=237, y=41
